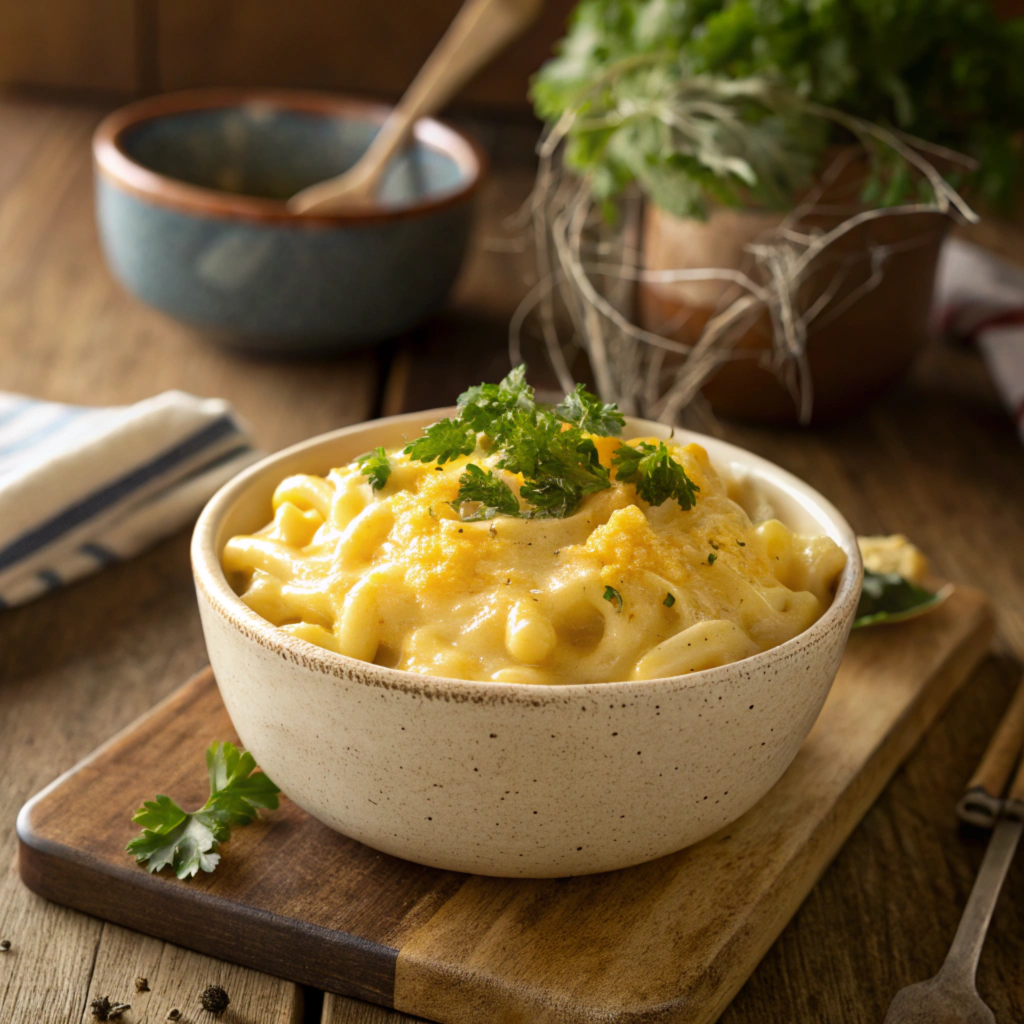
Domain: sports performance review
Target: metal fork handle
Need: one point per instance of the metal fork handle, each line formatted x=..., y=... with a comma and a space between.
x=961, y=962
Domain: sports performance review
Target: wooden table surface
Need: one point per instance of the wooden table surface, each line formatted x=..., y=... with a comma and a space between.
x=937, y=459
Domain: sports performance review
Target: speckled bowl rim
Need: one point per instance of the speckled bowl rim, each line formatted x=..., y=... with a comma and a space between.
x=213, y=585
x=114, y=163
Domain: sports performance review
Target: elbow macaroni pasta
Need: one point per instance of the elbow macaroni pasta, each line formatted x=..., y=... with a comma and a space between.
x=397, y=577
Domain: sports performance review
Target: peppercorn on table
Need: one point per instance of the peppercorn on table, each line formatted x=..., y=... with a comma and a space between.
x=937, y=459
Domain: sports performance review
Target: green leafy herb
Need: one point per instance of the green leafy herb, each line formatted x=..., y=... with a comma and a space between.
x=559, y=465
x=889, y=597
x=614, y=597
x=492, y=496
x=703, y=101
x=669, y=600
x=656, y=474
x=377, y=466
x=188, y=842
x=548, y=447
x=484, y=406
x=443, y=441
x=590, y=414
x=711, y=558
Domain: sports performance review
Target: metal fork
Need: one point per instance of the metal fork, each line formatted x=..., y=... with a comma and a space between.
x=951, y=996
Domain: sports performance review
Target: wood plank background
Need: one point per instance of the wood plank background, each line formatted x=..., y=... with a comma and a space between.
x=128, y=47
x=937, y=458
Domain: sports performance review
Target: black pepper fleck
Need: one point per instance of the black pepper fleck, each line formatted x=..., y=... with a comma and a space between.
x=215, y=1000
x=174, y=1015
x=5, y=945
x=141, y=984
x=103, y=1009
x=100, y=1008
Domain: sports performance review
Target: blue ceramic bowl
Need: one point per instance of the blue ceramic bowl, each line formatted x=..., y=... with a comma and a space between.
x=190, y=197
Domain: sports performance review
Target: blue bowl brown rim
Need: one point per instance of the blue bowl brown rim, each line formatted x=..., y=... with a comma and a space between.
x=113, y=162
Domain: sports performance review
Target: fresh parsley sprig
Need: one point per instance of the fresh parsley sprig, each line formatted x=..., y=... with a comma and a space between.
x=443, y=441
x=485, y=406
x=560, y=466
x=490, y=495
x=549, y=447
x=590, y=414
x=377, y=466
x=188, y=842
x=658, y=477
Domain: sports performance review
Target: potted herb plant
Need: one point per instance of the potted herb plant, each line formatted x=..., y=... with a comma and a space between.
x=729, y=114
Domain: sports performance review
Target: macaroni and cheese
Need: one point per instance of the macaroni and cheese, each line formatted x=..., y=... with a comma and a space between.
x=402, y=570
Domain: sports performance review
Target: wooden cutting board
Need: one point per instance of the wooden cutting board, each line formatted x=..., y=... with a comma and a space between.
x=670, y=941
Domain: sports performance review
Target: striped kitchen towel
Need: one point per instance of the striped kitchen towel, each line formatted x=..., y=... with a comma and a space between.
x=81, y=488
x=980, y=300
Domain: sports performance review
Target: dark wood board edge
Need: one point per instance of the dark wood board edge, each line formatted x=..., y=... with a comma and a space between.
x=285, y=947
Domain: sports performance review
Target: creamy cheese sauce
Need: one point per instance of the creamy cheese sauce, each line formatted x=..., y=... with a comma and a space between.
x=620, y=590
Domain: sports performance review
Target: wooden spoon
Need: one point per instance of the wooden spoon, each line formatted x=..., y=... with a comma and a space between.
x=480, y=29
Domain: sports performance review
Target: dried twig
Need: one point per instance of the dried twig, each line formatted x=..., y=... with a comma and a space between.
x=582, y=263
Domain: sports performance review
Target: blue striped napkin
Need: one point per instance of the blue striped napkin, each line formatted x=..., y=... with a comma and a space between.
x=81, y=488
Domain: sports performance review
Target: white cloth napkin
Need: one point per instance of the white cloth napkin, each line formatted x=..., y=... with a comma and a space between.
x=980, y=298
x=81, y=488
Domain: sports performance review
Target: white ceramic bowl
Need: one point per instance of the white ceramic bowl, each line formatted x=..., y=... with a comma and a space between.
x=505, y=778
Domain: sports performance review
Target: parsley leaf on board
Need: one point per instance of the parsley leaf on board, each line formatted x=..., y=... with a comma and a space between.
x=377, y=466
x=188, y=842
x=590, y=414
x=890, y=597
x=491, y=495
x=656, y=474
x=443, y=441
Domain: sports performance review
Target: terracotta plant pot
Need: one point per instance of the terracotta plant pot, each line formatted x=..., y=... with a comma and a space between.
x=862, y=341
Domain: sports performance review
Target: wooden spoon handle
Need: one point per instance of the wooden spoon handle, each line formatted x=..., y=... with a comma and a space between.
x=983, y=800
x=1015, y=800
x=480, y=29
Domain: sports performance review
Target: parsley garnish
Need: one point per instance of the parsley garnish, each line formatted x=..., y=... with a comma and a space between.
x=443, y=442
x=656, y=474
x=590, y=414
x=711, y=558
x=492, y=494
x=549, y=448
x=559, y=465
x=614, y=597
x=188, y=842
x=483, y=406
x=377, y=466
x=669, y=600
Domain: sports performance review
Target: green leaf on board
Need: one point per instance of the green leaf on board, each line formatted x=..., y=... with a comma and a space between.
x=888, y=597
x=187, y=842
